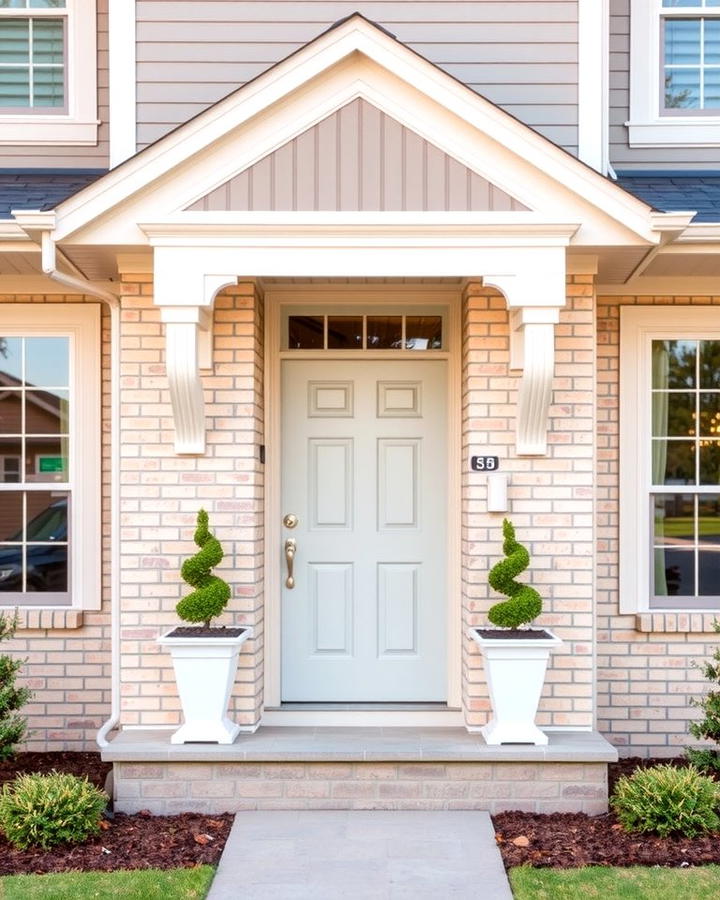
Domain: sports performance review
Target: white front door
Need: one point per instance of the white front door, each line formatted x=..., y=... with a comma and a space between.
x=365, y=472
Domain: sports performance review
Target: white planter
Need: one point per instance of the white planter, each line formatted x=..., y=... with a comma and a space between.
x=515, y=671
x=205, y=670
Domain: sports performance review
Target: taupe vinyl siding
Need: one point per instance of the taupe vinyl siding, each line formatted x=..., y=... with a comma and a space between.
x=96, y=157
x=520, y=55
x=358, y=159
x=622, y=156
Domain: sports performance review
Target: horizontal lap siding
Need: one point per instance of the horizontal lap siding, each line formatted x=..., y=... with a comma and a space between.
x=622, y=156
x=520, y=55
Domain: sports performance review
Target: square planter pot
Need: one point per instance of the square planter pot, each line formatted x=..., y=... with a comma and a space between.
x=515, y=669
x=205, y=670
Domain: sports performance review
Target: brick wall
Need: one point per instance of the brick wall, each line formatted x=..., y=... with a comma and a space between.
x=161, y=494
x=67, y=653
x=551, y=497
x=645, y=662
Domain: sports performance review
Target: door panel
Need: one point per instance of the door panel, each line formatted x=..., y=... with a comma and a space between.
x=364, y=469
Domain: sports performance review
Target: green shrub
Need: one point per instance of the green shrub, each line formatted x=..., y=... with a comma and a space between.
x=667, y=800
x=45, y=810
x=708, y=728
x=12, y=725
x=525, y=604
x=211, y=593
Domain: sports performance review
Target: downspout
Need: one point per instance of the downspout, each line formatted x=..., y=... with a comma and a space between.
x=81, y=285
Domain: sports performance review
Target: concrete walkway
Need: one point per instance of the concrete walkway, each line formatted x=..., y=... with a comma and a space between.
x=368, y=854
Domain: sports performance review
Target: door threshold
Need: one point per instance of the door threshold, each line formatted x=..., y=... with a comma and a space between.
x=354, y=715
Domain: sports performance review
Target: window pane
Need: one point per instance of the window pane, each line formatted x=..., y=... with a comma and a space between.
x=712, y=42
x=46, y=412
x=46, y=459
x=711, y=92
x=47, y=568
x=709, y=572
x=709, y=462
x=48, y=87
x=14, y=41
x=15, y=87
x=709, y=414
x=345, y=332
x=682, y=41
x=684, y=3
x=682, y=88
x=48, y=43
x=674, y=573
x=710, y=364
x=384, y=332
x=305, y=332
x=10, y=361
x=675, y=519
x=47, y=516
x=673, y=415
x=46, y=361
x=709, y=519
x=11, y=516
x=10, y=413
x=10, y=461
x=673, y=364
x=13, y=4
x=48, y=4
x=423, y=333
x=673, y=462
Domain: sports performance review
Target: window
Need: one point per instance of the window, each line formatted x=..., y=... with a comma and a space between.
x=48, y=76
x=670, y=459
x=675, y=73
x=359, y=330
x=49, y=455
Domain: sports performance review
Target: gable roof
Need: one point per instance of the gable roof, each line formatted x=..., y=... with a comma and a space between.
x=669, y=191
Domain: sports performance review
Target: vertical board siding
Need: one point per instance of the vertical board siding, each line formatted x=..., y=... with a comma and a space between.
x=622, y=156
x=57, y=157
x=358, y=159
x=520, y=55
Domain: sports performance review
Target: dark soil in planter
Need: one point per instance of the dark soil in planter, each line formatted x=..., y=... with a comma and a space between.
x=139, y=841
x=192, y=631
x=505, y=634
x=571, y=840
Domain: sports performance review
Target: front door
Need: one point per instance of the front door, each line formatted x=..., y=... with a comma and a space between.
x=364, y=471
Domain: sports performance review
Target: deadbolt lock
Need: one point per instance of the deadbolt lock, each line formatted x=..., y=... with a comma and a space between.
x=290, y=520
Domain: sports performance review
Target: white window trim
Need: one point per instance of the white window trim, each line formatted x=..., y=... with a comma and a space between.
x=646, y=127
x=81, y=323
x=79, y=125
x=639, y=326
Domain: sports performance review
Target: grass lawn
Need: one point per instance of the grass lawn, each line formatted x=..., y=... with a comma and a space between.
x=634, y=883
x=140, y=884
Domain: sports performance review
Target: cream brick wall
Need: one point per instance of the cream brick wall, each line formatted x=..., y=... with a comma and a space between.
x=68, y=653
x=645, y=663
x=161, y=494
x=551, y=497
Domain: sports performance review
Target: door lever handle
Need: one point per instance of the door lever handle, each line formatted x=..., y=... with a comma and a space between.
x=290, y=548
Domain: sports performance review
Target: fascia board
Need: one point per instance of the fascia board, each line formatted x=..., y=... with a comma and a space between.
x=354, y=36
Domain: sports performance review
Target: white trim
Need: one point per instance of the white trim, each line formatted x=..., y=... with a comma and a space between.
x=298, y=295
x=593, y=36
x=647, y=127
x=638, y=326
x=365, y=718
x=81, y=322
x=122, y=81
x=79, y=125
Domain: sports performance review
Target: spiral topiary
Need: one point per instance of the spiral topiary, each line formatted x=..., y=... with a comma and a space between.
x=525, y=603
x=211, y=593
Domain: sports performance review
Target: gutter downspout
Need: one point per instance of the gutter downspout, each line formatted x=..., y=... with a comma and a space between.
x=81, y=285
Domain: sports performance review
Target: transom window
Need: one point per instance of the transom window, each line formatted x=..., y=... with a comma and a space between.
x=351, y=330
x=32, y=54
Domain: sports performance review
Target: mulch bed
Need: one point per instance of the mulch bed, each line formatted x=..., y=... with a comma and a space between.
x=571, y=840
x=139, y=841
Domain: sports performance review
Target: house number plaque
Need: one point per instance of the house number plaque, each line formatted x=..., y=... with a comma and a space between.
x=484, y=463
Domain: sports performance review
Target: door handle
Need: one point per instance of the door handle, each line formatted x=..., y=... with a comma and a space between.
x=290, y=548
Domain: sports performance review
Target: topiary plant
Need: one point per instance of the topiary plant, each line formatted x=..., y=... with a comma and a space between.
x=12, y=698
x=525, y=604
x=46, y=810
x=667, y=800
x=708, y=727
x=211, y=593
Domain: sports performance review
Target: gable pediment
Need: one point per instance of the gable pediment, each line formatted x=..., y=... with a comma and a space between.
x=358, y=158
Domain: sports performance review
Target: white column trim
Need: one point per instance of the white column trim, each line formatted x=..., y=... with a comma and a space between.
x=122, y=80
x=593, y=66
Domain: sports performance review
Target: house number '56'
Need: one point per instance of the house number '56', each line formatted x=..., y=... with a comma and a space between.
x=484, y=463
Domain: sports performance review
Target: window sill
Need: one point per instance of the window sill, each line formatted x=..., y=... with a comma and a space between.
x=34, y=619
x=676, y=622
x=55, y=130
x=675, y=131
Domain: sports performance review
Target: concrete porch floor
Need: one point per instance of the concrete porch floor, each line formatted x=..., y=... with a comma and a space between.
x=359, y=768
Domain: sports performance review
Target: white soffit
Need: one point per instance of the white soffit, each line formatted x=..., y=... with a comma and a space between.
x=354, y=59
